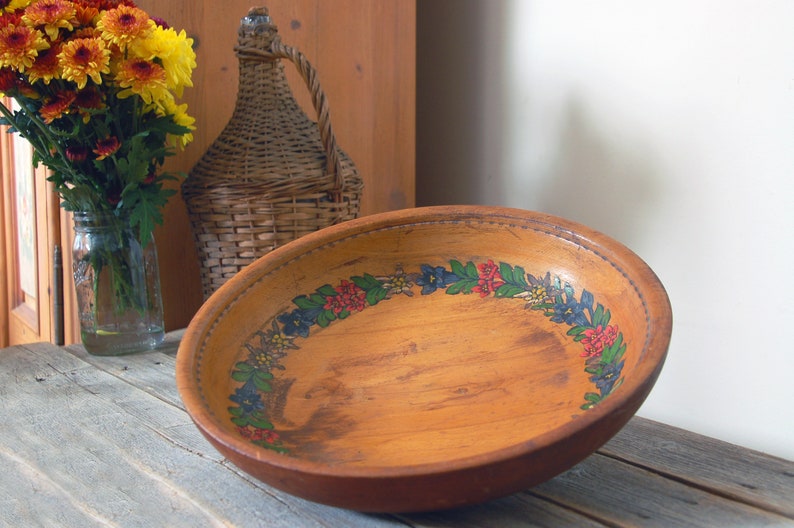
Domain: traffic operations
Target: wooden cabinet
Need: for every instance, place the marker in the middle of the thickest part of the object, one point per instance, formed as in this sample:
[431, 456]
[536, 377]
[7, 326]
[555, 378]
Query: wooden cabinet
[365, 54]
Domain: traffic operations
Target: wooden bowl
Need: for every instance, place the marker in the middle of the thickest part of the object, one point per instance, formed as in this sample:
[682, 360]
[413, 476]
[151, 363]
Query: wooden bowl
[427, 358]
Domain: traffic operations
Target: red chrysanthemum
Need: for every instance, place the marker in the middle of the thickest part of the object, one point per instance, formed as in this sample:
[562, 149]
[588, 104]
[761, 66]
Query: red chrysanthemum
[107, 147]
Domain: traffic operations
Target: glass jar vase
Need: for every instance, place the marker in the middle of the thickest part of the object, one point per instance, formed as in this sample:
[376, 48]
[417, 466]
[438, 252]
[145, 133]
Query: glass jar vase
[117, 282]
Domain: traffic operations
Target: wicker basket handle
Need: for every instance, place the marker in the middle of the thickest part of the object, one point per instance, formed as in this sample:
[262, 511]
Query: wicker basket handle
[278, 50]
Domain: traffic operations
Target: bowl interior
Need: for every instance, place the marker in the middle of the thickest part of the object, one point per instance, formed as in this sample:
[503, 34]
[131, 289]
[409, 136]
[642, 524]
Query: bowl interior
[417, 341]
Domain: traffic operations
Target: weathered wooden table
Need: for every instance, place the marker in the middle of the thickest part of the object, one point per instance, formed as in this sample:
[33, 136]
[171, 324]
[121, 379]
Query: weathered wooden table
[91, 441]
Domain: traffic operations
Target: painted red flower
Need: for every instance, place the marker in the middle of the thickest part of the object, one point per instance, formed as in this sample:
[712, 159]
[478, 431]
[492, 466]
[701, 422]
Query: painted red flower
[597, 339]
[490, 279]
[351, 297]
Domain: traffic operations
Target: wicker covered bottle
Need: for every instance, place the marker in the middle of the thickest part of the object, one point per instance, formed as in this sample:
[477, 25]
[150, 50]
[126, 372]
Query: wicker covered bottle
[272, 174]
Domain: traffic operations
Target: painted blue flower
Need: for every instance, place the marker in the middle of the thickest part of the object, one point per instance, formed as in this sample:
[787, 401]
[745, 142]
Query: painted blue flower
[609, 375]
[570, 312]
[248, 398]
[296, 323]
[434, 278]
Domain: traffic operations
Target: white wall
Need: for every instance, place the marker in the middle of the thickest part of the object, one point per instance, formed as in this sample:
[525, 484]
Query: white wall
[666, 125]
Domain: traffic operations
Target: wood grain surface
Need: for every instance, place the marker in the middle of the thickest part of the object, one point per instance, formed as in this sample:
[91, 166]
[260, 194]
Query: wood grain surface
[89, 441]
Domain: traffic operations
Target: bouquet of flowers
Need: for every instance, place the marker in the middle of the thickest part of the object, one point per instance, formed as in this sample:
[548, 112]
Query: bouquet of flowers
[96, 84]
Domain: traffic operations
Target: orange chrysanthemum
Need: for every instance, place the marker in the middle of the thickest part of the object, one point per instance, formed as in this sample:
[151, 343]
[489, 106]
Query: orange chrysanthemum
[85, 58]
[19, 46]
[107, 147]
[88, 101]
[54, 15]
[85, 14]
[57, 106]
[47, 66]
[8, 81]
[144, 78]
[124, 24]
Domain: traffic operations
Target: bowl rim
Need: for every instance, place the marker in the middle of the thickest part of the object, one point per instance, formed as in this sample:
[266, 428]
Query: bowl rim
[619, 407]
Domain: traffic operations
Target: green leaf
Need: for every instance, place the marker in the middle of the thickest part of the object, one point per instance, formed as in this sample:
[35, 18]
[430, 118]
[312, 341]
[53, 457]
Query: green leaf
[593, 397]
[235, 411]
[520, 277]
[613, 352]
[576, 330]
[367, 282]
[508, 290]
[241, 421]
[241, 376]
[319, 300]
[304, 303]
[262, 385]
[261, 423]
[325, 318]
[506, 272]
[462, 286]
[457, 268]
[375, 295]
[327, 291]
[471, 271]
[243, 366]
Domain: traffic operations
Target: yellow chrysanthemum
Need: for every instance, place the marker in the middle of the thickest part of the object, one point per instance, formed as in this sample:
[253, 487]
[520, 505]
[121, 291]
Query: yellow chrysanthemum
[19, 46]
[54, 15]
[174, 51]
[180, 117]
[122, 25]
[84, 58]
[143, 78]
[14, 5]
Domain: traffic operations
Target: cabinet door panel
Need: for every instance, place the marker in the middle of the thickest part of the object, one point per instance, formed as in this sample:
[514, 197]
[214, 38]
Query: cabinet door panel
[29, 210]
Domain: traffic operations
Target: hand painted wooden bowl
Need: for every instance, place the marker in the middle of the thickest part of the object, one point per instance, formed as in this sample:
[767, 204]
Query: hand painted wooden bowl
[425, 359]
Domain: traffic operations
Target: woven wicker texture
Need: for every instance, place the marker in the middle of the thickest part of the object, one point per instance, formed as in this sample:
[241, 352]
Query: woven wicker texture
[272, 174]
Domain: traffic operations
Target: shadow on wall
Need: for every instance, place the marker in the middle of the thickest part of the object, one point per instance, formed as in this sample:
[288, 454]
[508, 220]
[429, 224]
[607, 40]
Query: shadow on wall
[608, 185]
[458, 104]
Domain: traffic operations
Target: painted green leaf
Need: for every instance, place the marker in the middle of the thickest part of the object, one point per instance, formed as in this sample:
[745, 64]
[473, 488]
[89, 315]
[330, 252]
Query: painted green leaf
[614, 351]
[508, 290]
[471, 271]
[241, 421]
[235, 411]
[262, 385]
[260, 423]
[520, 277]
[244, 367]
[576, 330]
[506, 272]
[239, 375]
[457, 268]
[325, 318]
[304, 303]
[367, 282]
[463, 286]
[375, 295]
[327, 291]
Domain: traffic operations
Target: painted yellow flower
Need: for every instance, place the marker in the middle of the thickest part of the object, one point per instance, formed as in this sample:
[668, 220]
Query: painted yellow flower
[14, 5]
[124, 24]
[53, 15]
[144, 78]
[84, 58]
[174, 51]
[19, 46]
